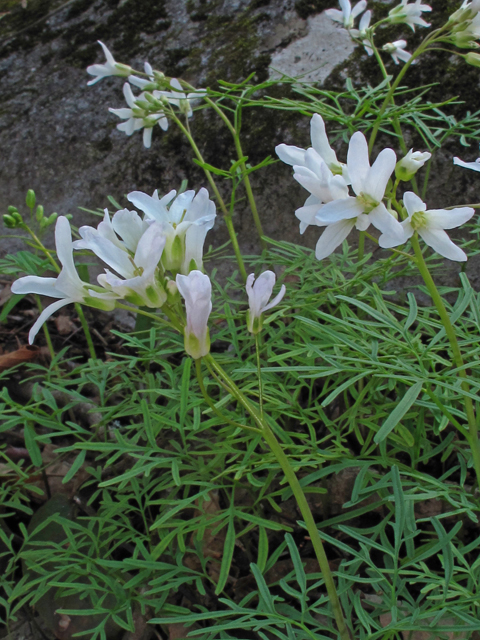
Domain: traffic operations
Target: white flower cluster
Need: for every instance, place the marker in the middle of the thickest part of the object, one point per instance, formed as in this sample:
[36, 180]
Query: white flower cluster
[466, 25]
[150, 107]
[136, 251]
[406, 13]
[332, 206]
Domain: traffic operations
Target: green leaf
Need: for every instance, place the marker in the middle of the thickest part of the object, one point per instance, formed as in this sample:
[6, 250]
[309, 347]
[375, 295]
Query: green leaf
[227, 557]
[79, 460]
[32, 445]
[400, 410]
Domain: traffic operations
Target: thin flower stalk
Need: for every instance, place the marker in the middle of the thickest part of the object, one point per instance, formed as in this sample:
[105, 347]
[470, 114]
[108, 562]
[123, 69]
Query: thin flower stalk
[226, 214]
[457, 354]
[297, 490]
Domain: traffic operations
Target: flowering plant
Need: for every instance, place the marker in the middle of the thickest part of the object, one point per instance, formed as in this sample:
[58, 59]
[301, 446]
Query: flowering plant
[342, 381]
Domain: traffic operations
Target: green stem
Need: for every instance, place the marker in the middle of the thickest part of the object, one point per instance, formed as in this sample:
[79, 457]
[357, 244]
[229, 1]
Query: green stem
[259, 374]
[457, 354]
[86, 330]
[297, 490]
[208, 400]
[246, 179]
[226, 214]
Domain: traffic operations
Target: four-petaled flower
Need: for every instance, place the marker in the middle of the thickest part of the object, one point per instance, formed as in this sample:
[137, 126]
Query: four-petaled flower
[369, 184]
[67, 285]
[196, 290]
[259, 292]
[347, 15]
[137, 117]
[109, 68]
[397, 51]
[361, 32]
[410, 14]
[296, 157]
[430, 227]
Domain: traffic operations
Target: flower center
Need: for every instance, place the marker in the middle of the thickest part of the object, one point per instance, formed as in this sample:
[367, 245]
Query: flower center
[418, 220]
[336, 168]
[367, 202]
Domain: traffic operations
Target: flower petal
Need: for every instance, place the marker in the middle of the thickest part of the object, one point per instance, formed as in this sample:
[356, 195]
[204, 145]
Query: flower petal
[332, 237]
[290, 155]
[43, 317]
[379, 174]
[468, 165]
[357, 161]
[443, 219]
[344, 209]
[277, 298]
[413, 203]
[441, 243]
[36, 284]
[320, 140]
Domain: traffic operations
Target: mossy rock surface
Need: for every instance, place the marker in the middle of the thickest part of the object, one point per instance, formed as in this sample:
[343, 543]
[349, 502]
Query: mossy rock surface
[58, 137]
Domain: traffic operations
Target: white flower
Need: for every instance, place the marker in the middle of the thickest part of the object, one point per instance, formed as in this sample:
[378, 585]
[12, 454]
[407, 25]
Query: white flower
[259, 292]
[369, 184]
[361, 32]
[141, 83]
[317, 178]
[408, 166]
[110, 68]
[430, 226]
[468, 165]
[296, 157]
[347, 15]
[179, 99]
[138, 117]
[67, 285]
[410, 14]
[186, 222]
[135, 257]
[196, 290]
[397, 51]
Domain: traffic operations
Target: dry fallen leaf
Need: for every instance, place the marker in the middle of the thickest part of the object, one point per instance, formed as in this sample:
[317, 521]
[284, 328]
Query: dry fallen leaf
[20, 356]
[5, 294]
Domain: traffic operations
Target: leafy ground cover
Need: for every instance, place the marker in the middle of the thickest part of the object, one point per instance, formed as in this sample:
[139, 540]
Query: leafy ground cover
[221, 472]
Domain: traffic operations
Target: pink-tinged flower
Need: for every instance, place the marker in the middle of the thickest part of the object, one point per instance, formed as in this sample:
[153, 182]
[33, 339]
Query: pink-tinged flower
[259, 292]
[430, 227]
[397, 51]
[347, 15]
[196, 290]
[109, 68]
[67, 285]
[410, 14]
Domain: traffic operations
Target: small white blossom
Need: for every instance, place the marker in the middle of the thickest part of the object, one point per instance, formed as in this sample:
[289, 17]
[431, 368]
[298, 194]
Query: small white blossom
[410, 14]
[397, 51]
[179, 99]
[361, 32]
[468, 165]
[137, 117]
[296, 157]
[186, 222]
[132, 248]
[141, 83]
[109, 68]
[196, 290]
[67, 285]
[430, 227]
[408, 166]
[369, 184]
[259, 292]
[347, 15]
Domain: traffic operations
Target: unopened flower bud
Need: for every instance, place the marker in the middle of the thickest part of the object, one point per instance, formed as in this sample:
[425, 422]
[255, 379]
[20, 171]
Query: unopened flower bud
[39, 213]
[259, 292]
[408, 166]
[11, 209]
[473, 59]
[52, 218]
[9, 222]
[196, 290]
[173, 295]
[30, 199]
